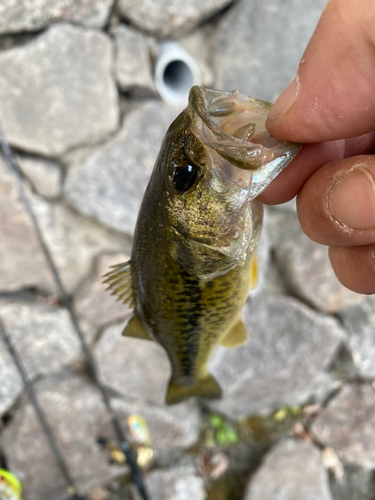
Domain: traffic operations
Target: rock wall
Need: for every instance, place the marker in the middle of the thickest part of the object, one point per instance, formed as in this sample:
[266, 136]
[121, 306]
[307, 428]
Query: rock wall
[79, 106]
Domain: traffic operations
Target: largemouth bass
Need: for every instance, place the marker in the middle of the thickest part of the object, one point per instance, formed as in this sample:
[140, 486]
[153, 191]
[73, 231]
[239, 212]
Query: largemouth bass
[194, 254]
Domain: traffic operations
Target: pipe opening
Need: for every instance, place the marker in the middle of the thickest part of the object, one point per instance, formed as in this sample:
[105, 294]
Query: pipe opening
[176, 71]
[178, 77]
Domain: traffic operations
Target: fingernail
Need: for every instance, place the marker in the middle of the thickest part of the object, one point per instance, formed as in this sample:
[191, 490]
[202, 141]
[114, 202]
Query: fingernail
[352, 200]
[285, 100]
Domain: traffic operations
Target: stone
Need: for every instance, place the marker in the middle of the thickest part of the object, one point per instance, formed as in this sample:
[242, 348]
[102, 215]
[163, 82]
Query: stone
[359, 323]
[291, 470]
[77, 416]
[109, 185]
[259, 45]
[16, 17]
[44, 175]
[74, 240]
[347, 425]
[133, 61]
[282, 364]
[11, 383]
[94, 302]
[135, 368]
[169, 19]
[68, 100]
[305, 265]
[45, 339]
[175, 484]
[22, 264]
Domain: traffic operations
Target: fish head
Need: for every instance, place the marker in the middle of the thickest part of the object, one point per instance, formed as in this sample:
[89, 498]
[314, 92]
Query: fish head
[217, 156]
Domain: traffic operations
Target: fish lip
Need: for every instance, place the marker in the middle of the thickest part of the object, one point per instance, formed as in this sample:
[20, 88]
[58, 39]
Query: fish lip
[243, 154]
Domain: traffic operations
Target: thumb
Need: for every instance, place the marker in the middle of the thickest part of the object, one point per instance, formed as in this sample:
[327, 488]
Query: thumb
[332, 96]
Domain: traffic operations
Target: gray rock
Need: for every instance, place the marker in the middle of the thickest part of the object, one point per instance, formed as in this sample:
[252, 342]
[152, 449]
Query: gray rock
[22, 263]
[57, 92]
[109, 184]
[347, 426]
[290, 347]
[169, 18]
[19, 16]
[291, 470]
[133, 367]
[11, 383]
[94, 302]
[45, 340]
[359, 323]
[76, 413]
[260, 44]
[175, 484]
[45, 176]
[74, 240]
[305, 264]
[133, 61]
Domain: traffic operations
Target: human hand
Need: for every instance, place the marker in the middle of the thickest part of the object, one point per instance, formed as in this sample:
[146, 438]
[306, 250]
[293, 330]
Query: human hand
[331, 104]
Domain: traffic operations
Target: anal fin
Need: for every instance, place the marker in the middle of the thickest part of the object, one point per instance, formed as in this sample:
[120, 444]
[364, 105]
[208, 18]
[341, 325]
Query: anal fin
[204, 388]
[135, 329]
[236, 336]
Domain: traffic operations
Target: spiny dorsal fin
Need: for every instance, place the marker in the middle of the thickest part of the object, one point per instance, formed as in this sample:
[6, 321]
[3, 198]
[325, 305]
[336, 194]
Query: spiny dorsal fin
[135, 329]
[236, 336]
[120, 282]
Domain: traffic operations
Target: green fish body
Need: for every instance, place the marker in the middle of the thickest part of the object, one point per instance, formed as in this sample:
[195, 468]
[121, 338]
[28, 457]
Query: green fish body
[194, 253]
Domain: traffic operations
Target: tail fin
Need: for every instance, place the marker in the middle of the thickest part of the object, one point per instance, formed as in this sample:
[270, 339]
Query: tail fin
[204, 388]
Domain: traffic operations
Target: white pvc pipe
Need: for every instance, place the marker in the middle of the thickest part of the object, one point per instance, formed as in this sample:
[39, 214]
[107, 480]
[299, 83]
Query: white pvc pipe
[176, 71]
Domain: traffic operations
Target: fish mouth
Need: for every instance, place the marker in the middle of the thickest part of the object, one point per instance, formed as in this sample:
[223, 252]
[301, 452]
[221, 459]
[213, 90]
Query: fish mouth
[234, 126]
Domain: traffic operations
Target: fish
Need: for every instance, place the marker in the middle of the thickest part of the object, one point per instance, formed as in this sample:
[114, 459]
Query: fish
[193, 258]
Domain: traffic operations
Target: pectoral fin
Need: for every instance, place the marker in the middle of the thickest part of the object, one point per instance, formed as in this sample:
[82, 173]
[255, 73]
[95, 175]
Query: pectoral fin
[254, 274]
[236, 336]
[120, 282]
[135, 329]
[204, 388]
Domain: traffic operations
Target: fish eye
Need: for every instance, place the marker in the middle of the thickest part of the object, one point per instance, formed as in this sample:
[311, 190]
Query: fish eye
[184, 177]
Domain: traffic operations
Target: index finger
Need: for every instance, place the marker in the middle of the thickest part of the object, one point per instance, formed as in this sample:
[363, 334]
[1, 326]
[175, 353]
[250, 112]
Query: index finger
[332, 96]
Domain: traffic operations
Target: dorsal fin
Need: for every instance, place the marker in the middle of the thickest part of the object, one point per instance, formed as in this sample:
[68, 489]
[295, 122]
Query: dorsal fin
[120, 282]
